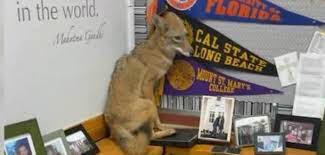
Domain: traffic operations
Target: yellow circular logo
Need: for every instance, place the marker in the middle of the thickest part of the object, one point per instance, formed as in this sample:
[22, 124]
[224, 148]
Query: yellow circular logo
[181, 75]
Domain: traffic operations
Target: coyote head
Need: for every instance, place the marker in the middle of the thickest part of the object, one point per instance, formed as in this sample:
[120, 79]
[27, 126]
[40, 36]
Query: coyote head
[171, 34]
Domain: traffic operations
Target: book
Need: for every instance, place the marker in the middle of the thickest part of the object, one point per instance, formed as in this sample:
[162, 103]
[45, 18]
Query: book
[182, 138]
[226, 150]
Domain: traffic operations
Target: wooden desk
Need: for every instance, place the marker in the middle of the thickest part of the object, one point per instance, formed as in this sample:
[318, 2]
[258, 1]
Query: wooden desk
[204, 149]
[99, 132]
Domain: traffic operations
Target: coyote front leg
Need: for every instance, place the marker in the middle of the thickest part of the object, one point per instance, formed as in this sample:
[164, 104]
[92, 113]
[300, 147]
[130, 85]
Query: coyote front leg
[163, 129]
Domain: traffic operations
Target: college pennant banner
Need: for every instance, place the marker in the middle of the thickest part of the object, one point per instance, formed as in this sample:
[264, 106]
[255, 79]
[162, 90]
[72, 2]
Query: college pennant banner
[213, 48]
[189, 77]
[251, 11]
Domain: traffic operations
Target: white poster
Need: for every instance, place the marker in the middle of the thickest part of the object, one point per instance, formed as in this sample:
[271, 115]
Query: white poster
[310, 91]
[59, 55]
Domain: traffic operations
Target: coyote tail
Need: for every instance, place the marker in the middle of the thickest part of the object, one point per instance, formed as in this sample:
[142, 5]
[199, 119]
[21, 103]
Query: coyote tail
[136, 143]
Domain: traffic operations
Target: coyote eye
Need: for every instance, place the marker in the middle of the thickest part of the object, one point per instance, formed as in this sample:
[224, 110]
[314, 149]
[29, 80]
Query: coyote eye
[177, 38]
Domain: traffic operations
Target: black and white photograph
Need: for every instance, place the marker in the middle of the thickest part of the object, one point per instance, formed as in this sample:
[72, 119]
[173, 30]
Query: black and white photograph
[299, 132]
[55, 147]
[272, 143]
[80, 142]
[20, 145]
[56, 143]
[246, 128]
[216, 118]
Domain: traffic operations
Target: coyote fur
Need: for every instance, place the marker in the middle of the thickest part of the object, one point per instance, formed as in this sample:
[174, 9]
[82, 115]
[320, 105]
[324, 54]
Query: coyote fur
[131, 111]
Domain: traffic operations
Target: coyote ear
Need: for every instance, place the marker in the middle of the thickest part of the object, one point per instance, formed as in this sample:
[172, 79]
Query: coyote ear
[159, 23]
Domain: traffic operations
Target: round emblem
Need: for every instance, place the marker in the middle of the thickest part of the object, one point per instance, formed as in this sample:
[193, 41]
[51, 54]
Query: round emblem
[181, 4]
[181, 75]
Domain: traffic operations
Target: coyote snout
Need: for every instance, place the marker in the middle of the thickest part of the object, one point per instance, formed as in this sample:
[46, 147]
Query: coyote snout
[131, 112]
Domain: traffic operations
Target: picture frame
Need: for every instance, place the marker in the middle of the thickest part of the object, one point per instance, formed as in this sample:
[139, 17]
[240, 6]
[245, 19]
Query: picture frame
[216, 119]
[80, 142]
[299, 132]
[246, 128]
[24, 137]
[56, 143]
[269, 144]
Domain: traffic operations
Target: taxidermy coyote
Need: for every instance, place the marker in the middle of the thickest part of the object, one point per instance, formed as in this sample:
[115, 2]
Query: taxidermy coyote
[131, 111]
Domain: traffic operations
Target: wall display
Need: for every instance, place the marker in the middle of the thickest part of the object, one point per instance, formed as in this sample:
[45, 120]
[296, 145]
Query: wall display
[261, 11]
[216, 118]
[188, 77]
[80, 142]
[246, 128]
[23, 138]
[299, 132]
[269, 144]
[286, 66]
[56, 143]
[215, 49]
[317, 45]
[310, 90]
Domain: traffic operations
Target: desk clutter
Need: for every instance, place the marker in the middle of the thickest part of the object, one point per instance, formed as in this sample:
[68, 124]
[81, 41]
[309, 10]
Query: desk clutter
[80, 139]
[218, 127]
[25, 138]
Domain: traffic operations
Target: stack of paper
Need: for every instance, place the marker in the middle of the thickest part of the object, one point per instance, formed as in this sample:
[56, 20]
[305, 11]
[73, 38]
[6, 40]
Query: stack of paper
[140, 21]
[310, 90]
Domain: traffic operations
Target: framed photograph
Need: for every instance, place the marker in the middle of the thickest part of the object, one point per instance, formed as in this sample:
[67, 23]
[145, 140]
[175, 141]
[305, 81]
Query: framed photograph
[80, 142]
[246, 128]
[56, 143]
[270, 143]
[216, 118]
[23, 138]
[299, 132]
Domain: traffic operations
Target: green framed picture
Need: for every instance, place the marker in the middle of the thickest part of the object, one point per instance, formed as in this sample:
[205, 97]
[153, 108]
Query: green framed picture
[23, 138]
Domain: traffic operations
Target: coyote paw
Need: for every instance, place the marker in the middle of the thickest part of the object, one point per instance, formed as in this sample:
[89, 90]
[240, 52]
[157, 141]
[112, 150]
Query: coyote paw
[171, 131]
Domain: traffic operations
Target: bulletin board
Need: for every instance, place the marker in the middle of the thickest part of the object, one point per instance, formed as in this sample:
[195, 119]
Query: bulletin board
[269, 41]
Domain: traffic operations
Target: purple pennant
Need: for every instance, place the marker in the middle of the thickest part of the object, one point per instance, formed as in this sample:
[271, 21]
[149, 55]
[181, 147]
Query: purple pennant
[188, 77]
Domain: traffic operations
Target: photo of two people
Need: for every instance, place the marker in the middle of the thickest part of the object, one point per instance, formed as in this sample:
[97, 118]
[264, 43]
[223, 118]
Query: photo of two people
[216, 118]
[218, 124]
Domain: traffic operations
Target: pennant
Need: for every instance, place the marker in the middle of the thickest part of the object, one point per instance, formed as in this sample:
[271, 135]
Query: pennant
[250, 11]
[213, 48]
[188, 77]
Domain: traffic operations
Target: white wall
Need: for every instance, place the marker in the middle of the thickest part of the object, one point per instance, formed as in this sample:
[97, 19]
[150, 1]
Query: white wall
[1, 77]
[60, 85]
